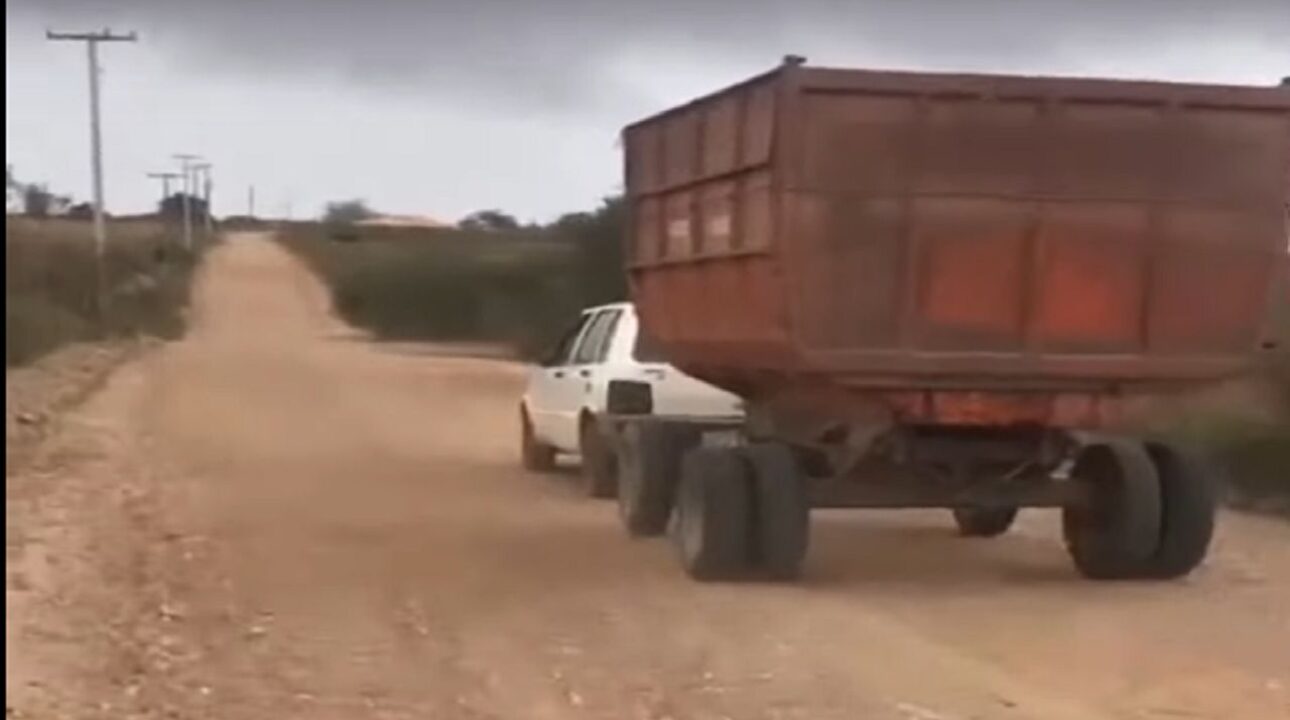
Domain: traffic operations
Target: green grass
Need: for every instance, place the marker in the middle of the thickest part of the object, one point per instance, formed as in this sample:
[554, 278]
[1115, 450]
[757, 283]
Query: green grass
[50, 284]
[444, 284]
[1252, 454]
[1250, 445]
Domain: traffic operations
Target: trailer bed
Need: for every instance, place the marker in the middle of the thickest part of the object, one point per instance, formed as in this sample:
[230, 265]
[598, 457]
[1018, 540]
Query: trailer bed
[948, 235]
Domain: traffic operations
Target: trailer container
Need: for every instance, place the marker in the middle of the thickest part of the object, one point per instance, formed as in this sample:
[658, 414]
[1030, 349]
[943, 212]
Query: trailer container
[930, 288]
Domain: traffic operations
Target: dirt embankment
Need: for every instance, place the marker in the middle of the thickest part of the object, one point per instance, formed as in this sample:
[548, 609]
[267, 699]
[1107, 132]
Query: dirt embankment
[37, 395]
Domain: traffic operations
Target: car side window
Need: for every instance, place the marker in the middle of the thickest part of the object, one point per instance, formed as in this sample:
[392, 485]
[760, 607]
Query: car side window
[562, 352]
[595, 342]
[607, 327]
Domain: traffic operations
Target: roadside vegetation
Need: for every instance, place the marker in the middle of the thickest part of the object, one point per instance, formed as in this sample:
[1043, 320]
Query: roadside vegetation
[50, 283]
[490, 279]
[1253, 450]
[1244, 428]
[1254, 456]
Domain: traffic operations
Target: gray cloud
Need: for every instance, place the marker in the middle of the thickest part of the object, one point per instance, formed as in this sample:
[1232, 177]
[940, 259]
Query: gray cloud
[445, 107]
[559, 55]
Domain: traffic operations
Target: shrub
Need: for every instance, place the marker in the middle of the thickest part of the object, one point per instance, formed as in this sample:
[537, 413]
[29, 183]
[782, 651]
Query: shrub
[51, 281]
[35, 326]
[516, 286]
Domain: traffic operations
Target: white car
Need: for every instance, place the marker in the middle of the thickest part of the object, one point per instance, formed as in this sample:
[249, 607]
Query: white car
[567, 392]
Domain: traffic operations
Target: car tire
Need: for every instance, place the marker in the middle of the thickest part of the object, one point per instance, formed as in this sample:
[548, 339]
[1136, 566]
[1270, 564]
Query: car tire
[713, 514]
[1115, 533]
[599, 465]
[534, 455]
[649, 466]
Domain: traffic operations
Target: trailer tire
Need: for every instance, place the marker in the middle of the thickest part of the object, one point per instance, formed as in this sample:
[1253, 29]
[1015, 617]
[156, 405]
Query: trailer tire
[599, 466]
[649, 465]
[534, 455]
[984, 522]
[1189, 498]
[1114, 535]
[713, 514]
[781, 510]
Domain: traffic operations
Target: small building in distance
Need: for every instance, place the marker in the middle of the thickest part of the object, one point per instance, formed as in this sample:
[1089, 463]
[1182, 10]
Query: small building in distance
[410, 221]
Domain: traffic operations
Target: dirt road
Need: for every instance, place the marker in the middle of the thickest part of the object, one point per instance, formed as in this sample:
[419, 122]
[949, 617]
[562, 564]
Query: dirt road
[311, 526]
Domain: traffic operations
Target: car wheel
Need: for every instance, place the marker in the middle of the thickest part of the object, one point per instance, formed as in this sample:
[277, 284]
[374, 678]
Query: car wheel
[599, 466]
[534, 455]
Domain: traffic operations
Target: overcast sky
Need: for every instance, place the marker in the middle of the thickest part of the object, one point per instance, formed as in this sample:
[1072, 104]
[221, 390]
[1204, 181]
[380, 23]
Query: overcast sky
[441, 108]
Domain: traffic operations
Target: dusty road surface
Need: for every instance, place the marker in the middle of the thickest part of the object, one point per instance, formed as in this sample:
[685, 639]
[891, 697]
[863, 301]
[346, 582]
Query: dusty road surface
[277, 519]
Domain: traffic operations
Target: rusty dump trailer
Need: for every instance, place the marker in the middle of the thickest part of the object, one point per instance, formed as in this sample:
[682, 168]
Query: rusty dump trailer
[929, 288]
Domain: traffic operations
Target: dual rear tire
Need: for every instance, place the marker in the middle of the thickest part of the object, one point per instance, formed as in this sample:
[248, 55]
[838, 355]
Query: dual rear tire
[732, 511]
[649, 468]
[1188, 501]
[1148, 509]
[1149, 512]
[740, 512]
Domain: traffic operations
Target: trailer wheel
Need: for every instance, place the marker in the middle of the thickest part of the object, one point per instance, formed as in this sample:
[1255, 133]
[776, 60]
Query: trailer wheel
[984, 522]
[1114, 534]
[649, 464]
[599, 466]
[713, 512]
[781, 510]
[1187, 521]
[534, 455]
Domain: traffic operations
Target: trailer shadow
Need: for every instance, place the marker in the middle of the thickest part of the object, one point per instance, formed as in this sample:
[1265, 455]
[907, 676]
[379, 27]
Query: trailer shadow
[900, 551]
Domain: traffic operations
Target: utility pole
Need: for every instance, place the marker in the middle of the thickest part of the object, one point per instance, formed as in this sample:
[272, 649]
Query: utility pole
[210, 212]
[165, 178]
[186, 172]
[92, 40]
[204, 176]
[250, 201]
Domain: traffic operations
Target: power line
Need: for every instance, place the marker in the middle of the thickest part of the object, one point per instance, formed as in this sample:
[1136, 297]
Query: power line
[92, 40]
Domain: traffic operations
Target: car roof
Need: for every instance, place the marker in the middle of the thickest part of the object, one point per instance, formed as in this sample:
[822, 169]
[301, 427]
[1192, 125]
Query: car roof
[608, 306]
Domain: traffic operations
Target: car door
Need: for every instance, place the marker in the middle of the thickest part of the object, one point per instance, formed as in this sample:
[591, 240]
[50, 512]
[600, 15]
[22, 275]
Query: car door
[576, 389]
[547, 386]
